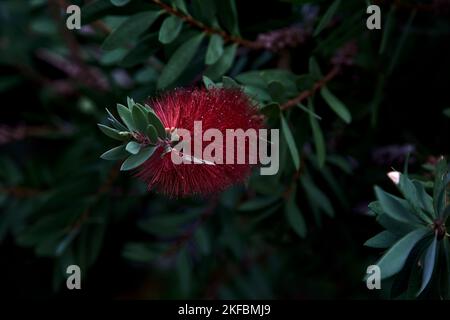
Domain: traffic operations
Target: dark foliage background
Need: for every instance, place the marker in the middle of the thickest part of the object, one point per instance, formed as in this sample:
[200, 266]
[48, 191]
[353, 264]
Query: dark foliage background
[60, 204]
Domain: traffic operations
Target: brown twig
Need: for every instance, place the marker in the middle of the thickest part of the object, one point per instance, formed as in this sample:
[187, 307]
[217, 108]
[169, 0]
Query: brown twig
[20, 192]
[207, 29]
[84, 73]
[308, 93]
[16, 133]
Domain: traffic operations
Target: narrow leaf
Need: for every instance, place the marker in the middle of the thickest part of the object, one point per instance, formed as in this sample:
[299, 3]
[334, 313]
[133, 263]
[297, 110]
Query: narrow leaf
[258, 203]
[215, 49]
[428, 265]
[139, 119]
[125, 115]
[154, 120]
[328, 15]
[294, 216]
[152, 134]
[222, 65]
[130, 29]
[394, 207]
[133, 147]
[179, 61]
[116, 123]
[336, 105]
[319, 141]
[208, 82]
[384, 239]
[136, 160]
[387, 29]
[116, 153]
[170, 29]
[113, 133]
[290, 141]
[394, 259]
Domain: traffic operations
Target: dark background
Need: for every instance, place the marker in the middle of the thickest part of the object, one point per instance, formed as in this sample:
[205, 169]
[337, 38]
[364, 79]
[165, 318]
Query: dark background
[271, 261]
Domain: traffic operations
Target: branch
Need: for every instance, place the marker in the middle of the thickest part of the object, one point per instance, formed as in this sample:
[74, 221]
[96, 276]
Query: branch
[20, 192]
[308, 93]
[20, 132]
[207, 29]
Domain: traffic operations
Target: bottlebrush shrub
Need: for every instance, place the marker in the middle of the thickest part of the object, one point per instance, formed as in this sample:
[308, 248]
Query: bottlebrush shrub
[150, 133]
[416, 237]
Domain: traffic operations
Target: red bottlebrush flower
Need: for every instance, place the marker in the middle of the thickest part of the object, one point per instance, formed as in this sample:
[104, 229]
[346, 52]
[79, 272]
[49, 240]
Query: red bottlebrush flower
[217, 108]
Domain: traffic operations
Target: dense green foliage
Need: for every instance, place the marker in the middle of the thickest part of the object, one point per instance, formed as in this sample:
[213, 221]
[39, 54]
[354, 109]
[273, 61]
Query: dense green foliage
[351, 104]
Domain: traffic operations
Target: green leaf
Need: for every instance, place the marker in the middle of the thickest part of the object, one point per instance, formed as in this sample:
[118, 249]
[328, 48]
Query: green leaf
[125, 115]
[375, 207]
[229, 83]
[202, 240]
[170, 29]
[169, 223]
[290, 141]
[401, 42]
[446, 112]
[384, 239]
[205, 11]
[319, 141]
[276, 90]
[139, 119]
[179, 61]
[308, 111]
[428, 264]
[425, 200]
[184, 274]
[208, 82]
[130, 29]
[336, 105]
[130, 103]
[222, 65]
[394, 207]
[440, 186]
[394, 259]
[258, 203]
[257, 93]
[116, 123]
[154, 120]
[146, 47]
[116, 153]
[317, 197]
[394, 226]
[181, 5]
[152, 134]
[446, 249]
[294, 216]
[410, 193]
[95, 10]
[228, 15]
[143, 252]
[327, 17]
[133, 147]
[119, 3]
[387, 29]
[314, 70]
[136, 160]
[215, 49]
[113, 133]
